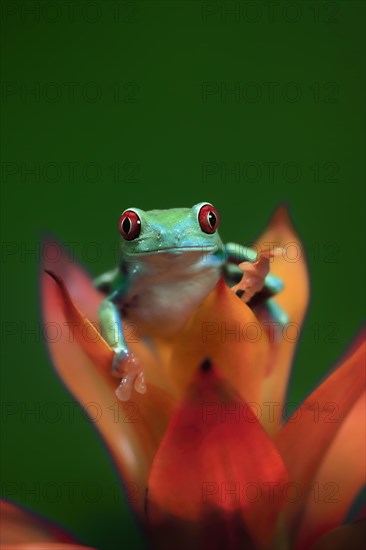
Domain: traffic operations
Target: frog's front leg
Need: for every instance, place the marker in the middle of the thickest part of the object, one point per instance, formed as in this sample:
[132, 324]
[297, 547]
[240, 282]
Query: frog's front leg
[125, 364]
[236, 253]
[248, 275]
[256, 277]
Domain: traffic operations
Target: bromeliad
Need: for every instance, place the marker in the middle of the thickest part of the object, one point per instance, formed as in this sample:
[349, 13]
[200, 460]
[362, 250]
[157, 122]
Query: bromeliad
[212, 469]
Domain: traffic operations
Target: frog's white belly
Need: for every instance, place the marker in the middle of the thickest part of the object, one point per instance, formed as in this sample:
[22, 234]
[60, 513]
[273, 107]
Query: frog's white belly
[162, 301]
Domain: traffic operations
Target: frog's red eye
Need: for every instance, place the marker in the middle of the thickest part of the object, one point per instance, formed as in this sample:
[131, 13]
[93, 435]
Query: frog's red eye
[129, 225]
[208, 218]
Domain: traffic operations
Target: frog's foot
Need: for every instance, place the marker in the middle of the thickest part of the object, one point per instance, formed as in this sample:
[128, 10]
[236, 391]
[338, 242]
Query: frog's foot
[127, 367]
[254, 276]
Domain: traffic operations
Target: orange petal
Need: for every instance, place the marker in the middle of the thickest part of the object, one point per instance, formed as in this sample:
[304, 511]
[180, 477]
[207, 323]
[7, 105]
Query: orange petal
[225, 330]
[132, 430]
[347, 537]
[216, 478]
[80, 289]
[338, 480]
[290, 266]
[24, 529]
[323, 443]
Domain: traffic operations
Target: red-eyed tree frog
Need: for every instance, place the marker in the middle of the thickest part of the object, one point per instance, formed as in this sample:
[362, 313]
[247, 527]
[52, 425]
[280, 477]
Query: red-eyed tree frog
[170, 261]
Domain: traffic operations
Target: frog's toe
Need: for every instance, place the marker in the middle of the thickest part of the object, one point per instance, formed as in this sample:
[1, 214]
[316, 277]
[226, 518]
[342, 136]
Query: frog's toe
[127, 367]
[124, 390]
[140, 385]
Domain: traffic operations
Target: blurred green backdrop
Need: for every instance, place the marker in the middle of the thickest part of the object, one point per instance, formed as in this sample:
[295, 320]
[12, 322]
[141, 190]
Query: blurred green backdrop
[159, 104]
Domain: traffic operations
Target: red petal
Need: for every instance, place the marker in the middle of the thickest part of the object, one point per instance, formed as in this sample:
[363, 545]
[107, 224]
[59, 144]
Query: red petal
[347, 537]
[132, 430]
[26, 530]
[45, 546]
[61, 261]
[215, 445]
[339, 478]
[327, 424]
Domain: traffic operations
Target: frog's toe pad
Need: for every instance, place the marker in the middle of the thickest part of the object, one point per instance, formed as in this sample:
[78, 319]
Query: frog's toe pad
[127, 367]
[128, 383]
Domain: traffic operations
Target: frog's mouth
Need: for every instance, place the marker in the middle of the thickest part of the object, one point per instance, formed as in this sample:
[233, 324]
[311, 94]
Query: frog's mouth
[175, 250]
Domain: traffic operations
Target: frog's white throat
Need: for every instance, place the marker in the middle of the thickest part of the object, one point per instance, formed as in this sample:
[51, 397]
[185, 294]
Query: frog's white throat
[168, 287]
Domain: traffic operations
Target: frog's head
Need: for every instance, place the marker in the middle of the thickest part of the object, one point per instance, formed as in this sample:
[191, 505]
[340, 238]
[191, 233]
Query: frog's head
[176, 230]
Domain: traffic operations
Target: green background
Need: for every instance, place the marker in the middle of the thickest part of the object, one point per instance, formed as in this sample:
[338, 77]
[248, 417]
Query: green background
[141, 72]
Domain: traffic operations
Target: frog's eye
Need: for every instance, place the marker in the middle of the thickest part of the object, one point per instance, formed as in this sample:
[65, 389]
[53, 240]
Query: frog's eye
[208, 218]
[129, 225]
